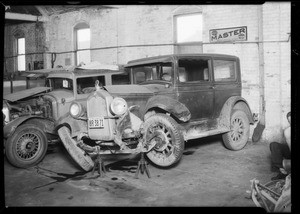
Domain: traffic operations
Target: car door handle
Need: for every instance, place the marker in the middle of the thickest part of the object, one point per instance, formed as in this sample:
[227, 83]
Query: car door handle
[212, 87]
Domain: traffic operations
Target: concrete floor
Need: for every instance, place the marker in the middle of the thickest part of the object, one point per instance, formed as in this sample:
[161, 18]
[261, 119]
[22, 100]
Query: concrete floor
[208, 175]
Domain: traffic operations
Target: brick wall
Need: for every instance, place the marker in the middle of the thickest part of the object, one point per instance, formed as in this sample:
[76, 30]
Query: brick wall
[127, 28]
[34, 43]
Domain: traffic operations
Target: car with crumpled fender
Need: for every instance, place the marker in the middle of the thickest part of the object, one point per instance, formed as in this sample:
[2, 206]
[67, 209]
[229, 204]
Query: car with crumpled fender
[172, 99]
[30, 115]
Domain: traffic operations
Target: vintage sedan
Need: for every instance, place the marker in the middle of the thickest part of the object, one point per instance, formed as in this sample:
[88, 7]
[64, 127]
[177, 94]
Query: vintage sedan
[30, 115]
[179, 97]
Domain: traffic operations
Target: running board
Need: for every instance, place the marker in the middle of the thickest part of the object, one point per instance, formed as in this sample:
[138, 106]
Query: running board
[196, 133]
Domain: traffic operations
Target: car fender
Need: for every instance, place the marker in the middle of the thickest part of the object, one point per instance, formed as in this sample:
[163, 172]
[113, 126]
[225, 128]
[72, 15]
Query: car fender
[76, 126]
[179, 110]
[10, 128]
[235, 102]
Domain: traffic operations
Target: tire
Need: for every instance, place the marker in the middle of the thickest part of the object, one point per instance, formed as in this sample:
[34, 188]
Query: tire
[238, 137]
[170, 143]
[79, 156]
[27, 146]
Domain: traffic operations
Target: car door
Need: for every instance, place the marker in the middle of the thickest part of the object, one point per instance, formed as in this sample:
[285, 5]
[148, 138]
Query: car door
[195, 88]
[226, 80]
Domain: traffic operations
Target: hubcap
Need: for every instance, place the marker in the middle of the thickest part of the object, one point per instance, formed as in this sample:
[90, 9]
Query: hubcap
[237, 131]
[28, 145]
[163, 140]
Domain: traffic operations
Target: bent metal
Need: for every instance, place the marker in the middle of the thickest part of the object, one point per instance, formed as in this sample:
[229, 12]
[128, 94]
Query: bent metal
[155, 115]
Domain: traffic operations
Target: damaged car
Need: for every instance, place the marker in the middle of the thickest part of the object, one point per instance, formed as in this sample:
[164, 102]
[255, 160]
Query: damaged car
[171, 99]
[29, 116]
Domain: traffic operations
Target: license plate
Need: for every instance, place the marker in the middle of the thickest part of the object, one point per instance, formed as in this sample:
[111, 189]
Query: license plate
[96, 122]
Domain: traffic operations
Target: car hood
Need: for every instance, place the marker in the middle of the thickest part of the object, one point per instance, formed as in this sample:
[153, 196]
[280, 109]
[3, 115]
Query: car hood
[25, 93]
[135, 89]
[128, 89]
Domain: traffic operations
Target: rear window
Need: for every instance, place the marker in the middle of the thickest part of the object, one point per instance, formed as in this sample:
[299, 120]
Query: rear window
[224, 70]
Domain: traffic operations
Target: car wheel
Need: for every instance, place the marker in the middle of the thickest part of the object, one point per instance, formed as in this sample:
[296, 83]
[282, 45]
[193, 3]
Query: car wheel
[27, 146]
[168, 138]
[238, 137]
[79, 156]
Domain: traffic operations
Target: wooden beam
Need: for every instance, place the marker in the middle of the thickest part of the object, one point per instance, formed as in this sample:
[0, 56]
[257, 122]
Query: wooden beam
[23, 17]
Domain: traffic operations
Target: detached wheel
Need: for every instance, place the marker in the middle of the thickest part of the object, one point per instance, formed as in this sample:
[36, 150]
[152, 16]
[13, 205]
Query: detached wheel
[168, 138]
[79, 156]
[238, 137]
[27, 146]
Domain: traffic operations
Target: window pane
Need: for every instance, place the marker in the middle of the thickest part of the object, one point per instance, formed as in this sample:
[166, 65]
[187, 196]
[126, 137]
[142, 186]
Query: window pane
[224, 70]
[120, 79]
[21, 50]
[21, 63]
[21, 46]
[83, 56]
[83, 38]
[189, 28]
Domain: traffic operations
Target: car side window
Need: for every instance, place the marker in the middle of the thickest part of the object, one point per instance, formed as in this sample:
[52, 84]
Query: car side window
[120, 79]
[153, 72]
[191, 70]
[224, 70]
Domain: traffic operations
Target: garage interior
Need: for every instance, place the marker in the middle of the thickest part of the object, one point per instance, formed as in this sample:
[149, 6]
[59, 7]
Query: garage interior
[209, 175]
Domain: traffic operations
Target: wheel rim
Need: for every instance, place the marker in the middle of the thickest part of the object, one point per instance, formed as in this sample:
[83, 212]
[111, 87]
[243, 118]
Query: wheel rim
[164, 147]
[237, 131]
[27, 146]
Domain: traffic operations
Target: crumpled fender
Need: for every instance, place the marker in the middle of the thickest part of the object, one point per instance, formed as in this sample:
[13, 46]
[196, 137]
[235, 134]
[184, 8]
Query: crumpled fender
[76, 126]
[10, 128]
[179, 110]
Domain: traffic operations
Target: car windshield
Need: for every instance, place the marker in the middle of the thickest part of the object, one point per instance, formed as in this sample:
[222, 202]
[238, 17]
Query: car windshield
[152, 72]
[60, 83]
[86, 85]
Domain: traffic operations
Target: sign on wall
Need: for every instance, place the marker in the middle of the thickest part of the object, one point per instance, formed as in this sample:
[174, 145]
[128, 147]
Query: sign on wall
[228, 34]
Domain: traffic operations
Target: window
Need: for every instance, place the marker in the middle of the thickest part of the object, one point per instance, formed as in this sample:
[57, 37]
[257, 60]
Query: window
[83, 42]
[191, 70]
[86, 85]
[188, 28]
[120, 79]
[153, 72]
[224, 70]
[21, 54]
[59, 83]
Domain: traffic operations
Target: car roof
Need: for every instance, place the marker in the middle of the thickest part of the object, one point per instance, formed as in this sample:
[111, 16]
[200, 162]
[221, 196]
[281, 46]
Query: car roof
[82, 73]
[167, 58]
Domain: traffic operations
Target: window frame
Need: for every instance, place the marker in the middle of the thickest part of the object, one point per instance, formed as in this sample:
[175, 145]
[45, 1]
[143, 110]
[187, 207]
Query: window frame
[80, 26]
[21, 54]
[235, 70]
[175, 20]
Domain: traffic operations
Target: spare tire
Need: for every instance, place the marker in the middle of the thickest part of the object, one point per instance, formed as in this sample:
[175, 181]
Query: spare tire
[79, 156]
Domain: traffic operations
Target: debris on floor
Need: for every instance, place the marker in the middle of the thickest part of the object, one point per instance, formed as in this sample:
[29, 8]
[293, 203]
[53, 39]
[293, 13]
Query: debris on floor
[274, 196]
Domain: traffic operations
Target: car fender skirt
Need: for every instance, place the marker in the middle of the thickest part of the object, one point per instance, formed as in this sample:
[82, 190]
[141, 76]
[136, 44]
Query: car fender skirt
[179, 110]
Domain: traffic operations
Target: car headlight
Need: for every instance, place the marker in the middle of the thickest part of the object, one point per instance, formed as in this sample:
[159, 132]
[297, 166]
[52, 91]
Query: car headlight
[118, 106]
[76, 109]
[5, 112]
